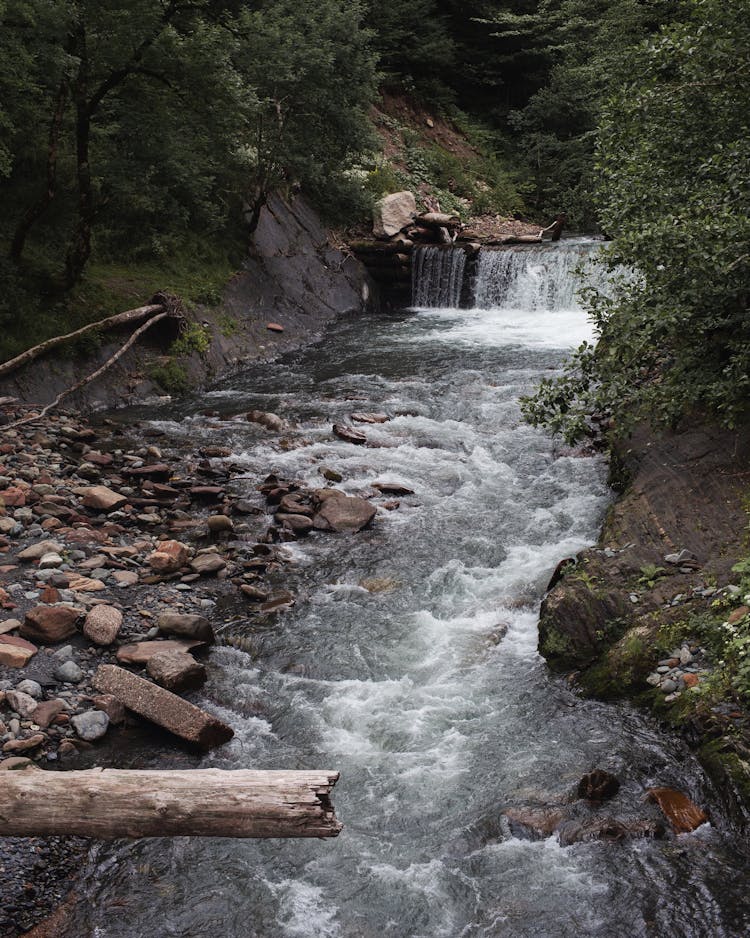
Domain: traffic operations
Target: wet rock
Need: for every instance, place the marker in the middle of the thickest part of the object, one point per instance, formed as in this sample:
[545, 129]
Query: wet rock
[102, 625]
[177, 671]
[100, 498]
[139, 653]
[254, 593]
[682, 813]
[217, 524]
[278, 602]
[598, 786]
[378, 584]
[341, 513]
[370, 418]
[69, 672]
[608, 829]
[169, 557]
[162, 707]
[50, 623]
[186, 625]
[298, 524]
[331, 475]
[392, 488]
[91, 725]
[207, 564]
[542, 821]
[349, 434]
[267, 420]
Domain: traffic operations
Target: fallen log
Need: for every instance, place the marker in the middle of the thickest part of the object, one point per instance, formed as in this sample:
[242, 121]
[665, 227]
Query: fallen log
[114, 803]
[129, 317]
[380, 247]
[438, 220]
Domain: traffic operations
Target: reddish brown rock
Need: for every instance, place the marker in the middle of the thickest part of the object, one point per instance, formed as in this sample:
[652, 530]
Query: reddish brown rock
[207, 564]
[392, 488]
[682, 813]
[177, 671]
[100, 498]
[102, 625]
[24, 745]
[168, 557]
[50, 623]
[186, 625]
[274, 327]
[341, 513]
[139, 653]
[691, 680]
[349, 434]
[46, 711]
[162, 707]
[15, 652]
[111, 706]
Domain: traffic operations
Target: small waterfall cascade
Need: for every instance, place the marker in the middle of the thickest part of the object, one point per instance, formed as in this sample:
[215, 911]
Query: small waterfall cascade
[437, 277]
[536, 278]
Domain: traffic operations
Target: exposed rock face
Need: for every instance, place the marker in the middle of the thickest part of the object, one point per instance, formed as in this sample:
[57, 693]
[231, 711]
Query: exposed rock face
[177, 671]
[50, 623]
[102, 624]
[392, 213]
[162, 707]
[341, 513]
[186, 625]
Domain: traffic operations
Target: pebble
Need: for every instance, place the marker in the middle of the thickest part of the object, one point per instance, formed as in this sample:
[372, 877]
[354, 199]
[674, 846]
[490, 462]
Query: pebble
[69, 672]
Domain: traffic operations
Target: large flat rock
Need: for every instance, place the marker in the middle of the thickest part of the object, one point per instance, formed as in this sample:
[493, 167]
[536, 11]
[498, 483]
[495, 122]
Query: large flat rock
[162, 707]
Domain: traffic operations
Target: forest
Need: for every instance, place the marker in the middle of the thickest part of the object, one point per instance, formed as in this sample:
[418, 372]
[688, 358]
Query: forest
[142, 133]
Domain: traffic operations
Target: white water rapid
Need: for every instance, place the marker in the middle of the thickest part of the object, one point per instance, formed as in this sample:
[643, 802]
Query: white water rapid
[409, 662]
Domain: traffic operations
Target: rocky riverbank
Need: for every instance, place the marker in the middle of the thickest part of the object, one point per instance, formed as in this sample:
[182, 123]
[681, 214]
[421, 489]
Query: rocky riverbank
[123, 560]
[656, 611]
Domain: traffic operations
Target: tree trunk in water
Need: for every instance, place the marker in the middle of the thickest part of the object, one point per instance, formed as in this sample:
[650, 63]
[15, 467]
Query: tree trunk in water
[34, 212]
[114, 803]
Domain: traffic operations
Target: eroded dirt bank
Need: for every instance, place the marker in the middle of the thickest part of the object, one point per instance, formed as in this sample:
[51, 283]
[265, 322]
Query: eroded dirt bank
[644, 615]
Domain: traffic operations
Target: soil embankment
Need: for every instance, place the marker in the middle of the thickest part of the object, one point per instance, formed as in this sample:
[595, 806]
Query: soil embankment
[641, 615]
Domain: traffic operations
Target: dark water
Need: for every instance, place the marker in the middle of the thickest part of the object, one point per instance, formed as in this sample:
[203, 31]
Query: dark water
[435, 722]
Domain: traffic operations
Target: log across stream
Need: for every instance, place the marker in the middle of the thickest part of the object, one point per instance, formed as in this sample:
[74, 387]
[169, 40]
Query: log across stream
[409, 663]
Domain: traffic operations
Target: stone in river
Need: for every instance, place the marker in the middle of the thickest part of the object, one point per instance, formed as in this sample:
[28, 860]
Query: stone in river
[392, 488]
[265, 419]
[218, 523]
[370, 418]
[50, 623]
[298, 524]
[162, 707]
[349, 434]
[177, 671]
[91, 725]
[598, 786]
[139, 653]
[541, 820]
[339, 512]
[187, 625]
[102, 625]
[682, 813]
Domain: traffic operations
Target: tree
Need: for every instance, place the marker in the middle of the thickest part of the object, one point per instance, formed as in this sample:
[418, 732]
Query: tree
[674, 158]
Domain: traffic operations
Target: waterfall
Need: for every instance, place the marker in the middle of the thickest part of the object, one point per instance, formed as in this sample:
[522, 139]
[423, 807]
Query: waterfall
[537, 278]
[437, 277]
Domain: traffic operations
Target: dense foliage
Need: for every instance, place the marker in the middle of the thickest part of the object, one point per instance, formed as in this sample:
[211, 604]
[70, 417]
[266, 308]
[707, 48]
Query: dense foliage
[674, 159]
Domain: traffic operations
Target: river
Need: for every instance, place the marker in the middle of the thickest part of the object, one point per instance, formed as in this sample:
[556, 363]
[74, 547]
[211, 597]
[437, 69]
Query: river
[426, 690]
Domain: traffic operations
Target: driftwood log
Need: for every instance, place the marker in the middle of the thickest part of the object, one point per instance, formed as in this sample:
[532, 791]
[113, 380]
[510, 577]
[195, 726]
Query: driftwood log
[114, 803]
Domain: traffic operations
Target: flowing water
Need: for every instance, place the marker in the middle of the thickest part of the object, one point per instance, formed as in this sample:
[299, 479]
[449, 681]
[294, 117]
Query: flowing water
[437, 277]
[427, 694]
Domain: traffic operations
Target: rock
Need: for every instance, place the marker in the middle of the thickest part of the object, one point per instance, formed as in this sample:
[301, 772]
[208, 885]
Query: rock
[737, 615]
[598, 786]
[683, 557]
[50, 561]
[111, 706]
[32, 688]
[668, 686]
[47, 710]
[23, 704]
[168, 557]
[298, 524]
[91, 725]
[85, 584]
[177, 671]
[339, 512]
[24, 745]
[278, 602]
[607, 828]
[216, 524]
[162, 707]
[15, 656]
[378, 584]
[50, 623]
[392, 213]
[9, 625]
[349, 434]
[100, 498]
[267, 420]
[125, 578]
[69, 672]
[254, 593]
[186, 625]
[332, 476]
[37, 551]
[207, 564]
[539, 820]
[17, 763]
[691, 680]
[370, 418]
[274, 327]
[102, 625]
[682, 813]
[139, 653]
[392, 488]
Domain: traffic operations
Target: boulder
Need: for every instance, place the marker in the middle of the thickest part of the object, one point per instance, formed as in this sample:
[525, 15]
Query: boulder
[139, 653]
[162, 707]
[100, 498]
[50, 623]
[341, 513]
[682, 813]
[186, 625]
[91, 725]
[392, 213]
[168, 557]
[177, 671]
[207, 564]
[267, 420]
[102, 625]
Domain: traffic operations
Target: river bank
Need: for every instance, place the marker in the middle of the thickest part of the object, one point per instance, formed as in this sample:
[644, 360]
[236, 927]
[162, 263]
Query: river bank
[645, 614]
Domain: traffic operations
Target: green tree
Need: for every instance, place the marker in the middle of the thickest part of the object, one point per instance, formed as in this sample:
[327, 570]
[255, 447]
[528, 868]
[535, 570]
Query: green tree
[674, 157]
